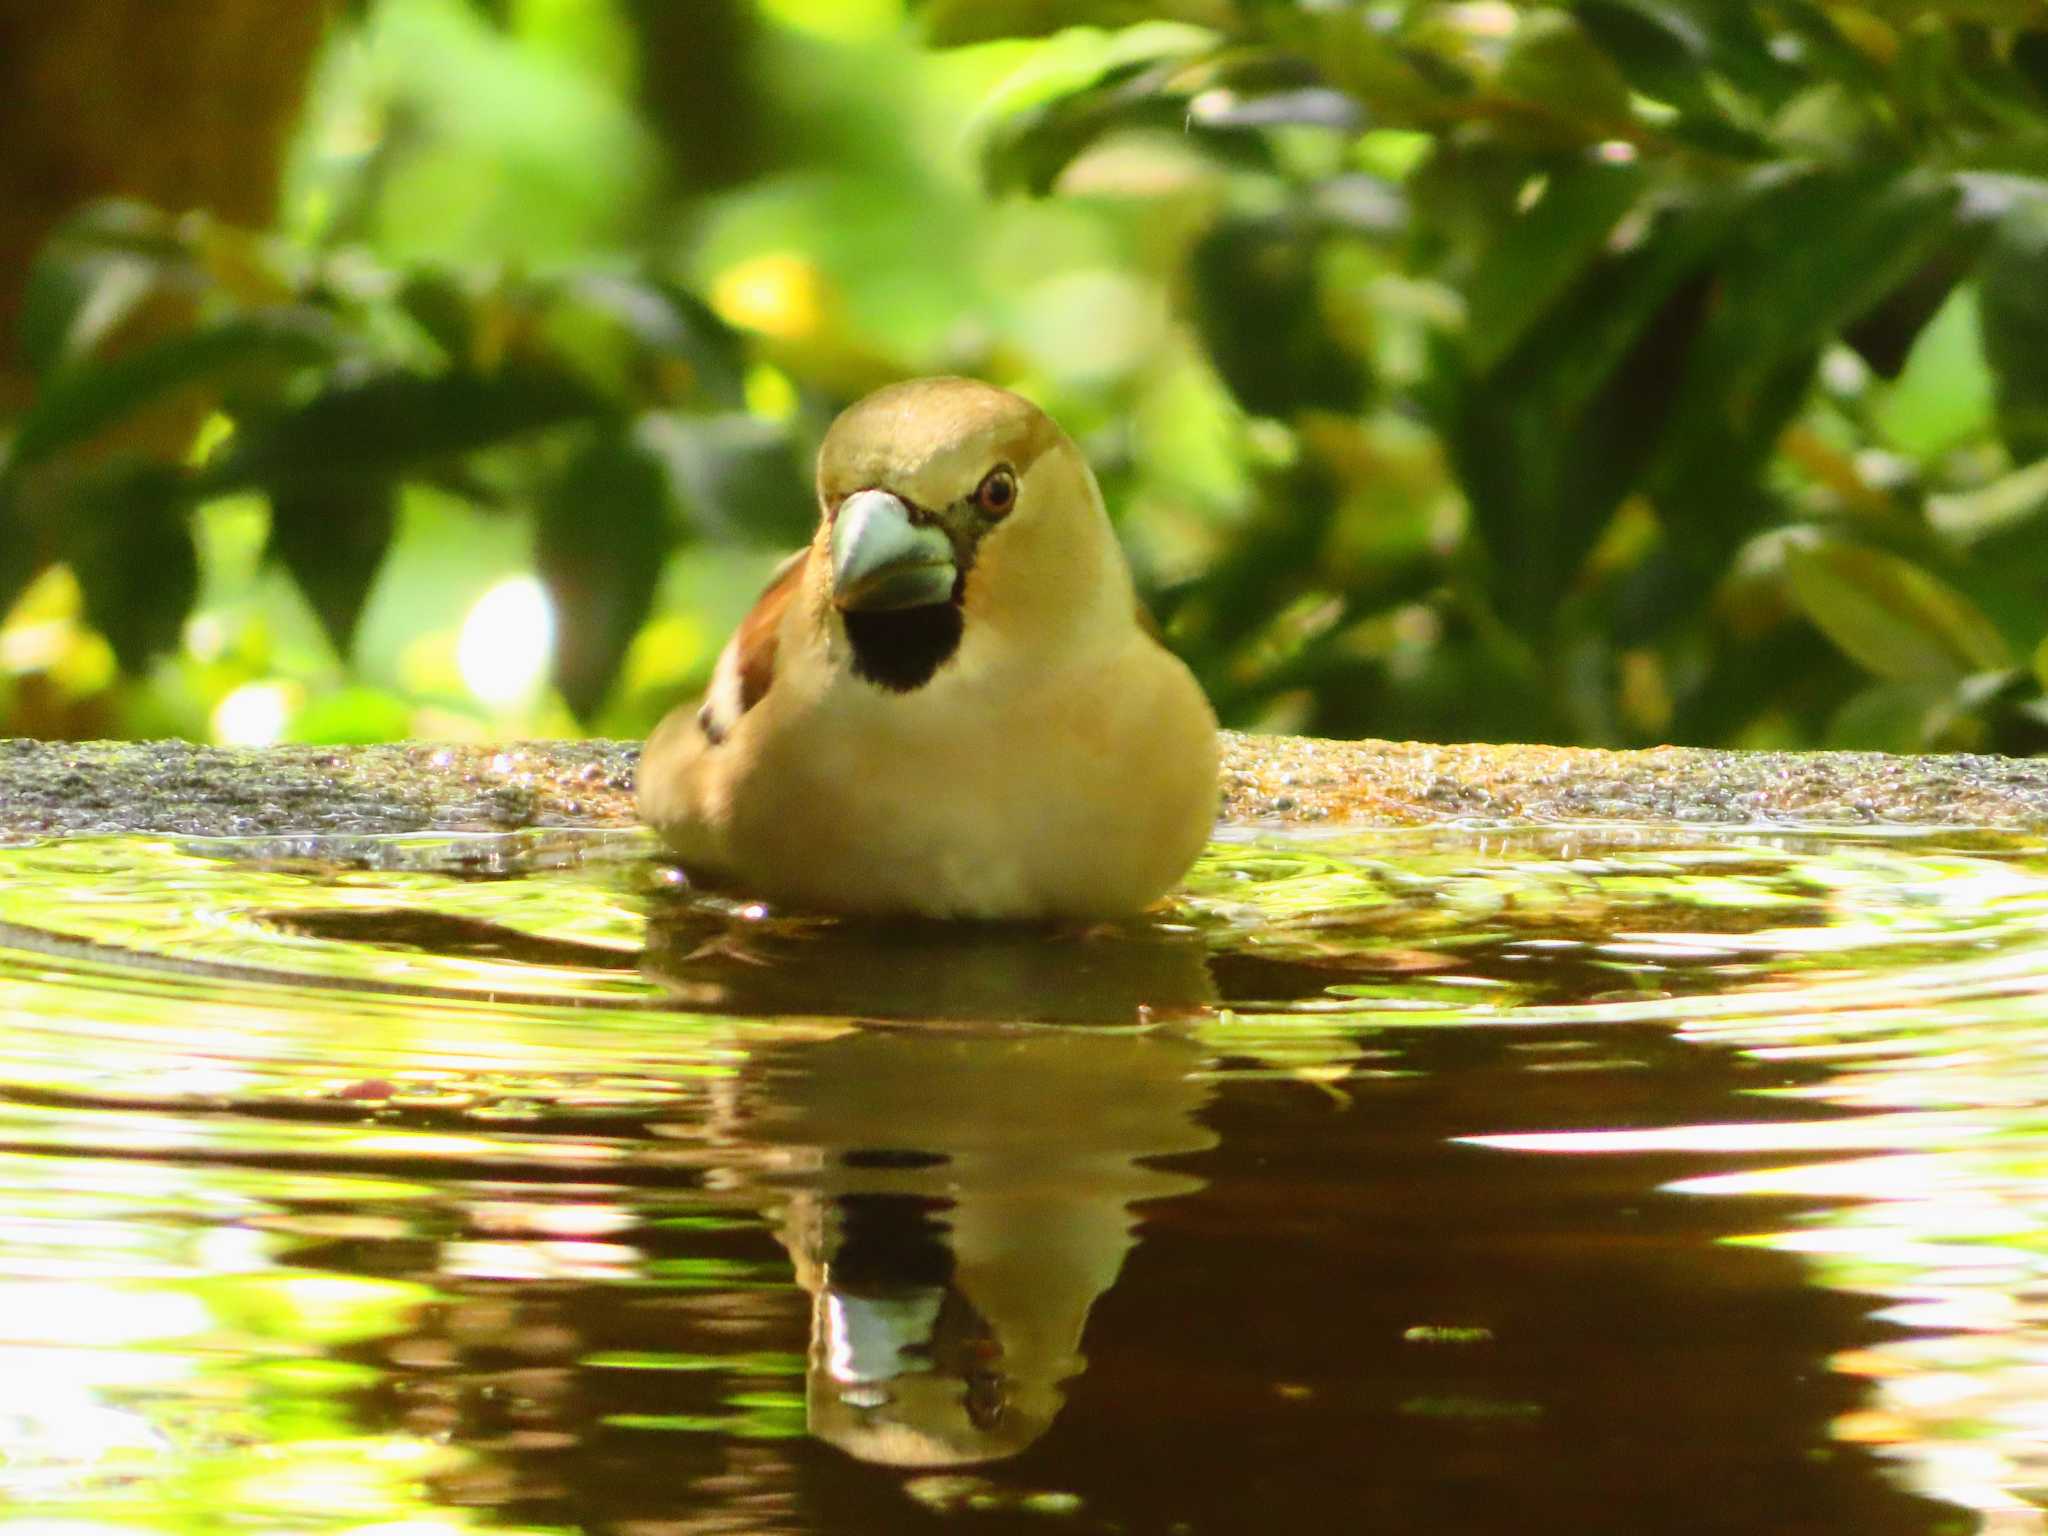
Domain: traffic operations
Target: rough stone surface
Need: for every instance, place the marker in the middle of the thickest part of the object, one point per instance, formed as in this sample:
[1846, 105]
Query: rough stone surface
[1302, 779]
[173, 787]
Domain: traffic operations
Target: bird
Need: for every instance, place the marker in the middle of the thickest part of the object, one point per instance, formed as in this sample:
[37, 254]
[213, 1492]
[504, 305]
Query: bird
[952, 704]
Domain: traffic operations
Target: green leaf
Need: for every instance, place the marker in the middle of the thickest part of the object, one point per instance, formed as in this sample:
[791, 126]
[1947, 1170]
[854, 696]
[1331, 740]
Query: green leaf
[1885, 335]
[128, 541]
[97, 266]
[642, 342]
[1808, 253]
[1886, 717]
[331, 535]
[1087, 85]
[734, 476]
[1814, 251]
[2030, 60]
[1950, 715]
[952, 23]
[2004, 506]
[1548, 443]
[1660, 51]
[1942, 397]
[603, 530]
[2015, 326]
[2041, 662]
[1551, 61]
[60, 289]
[1027, 152]
[21, 555]
[394, 423]
[1540, 253]
[1892, 618]
[1258, 307]
[440, 305]
[351, 717]
[86, 398]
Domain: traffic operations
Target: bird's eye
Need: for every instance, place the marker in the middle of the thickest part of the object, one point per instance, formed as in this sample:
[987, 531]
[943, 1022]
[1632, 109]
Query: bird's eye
[997, 492]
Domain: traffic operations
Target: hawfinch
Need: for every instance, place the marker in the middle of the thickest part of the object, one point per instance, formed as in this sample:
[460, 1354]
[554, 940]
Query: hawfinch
[951, 704]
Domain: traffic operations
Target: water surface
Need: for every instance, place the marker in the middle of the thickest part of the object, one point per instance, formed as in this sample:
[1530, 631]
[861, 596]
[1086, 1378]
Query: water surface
[1632, 1180]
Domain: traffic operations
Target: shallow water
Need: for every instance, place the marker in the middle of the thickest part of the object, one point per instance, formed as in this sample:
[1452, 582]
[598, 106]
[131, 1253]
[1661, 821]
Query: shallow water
[1631, 1180]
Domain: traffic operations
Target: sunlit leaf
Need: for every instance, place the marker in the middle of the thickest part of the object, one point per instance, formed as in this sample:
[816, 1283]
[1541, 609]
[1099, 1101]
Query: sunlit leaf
[2004, 505]
[1891, 617]
[1943, 394]
[950, 23]
[1087, 85]
[351, 716]
[1027, 152]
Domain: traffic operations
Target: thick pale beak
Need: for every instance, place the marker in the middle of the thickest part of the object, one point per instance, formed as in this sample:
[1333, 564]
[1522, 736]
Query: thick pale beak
[880, 559]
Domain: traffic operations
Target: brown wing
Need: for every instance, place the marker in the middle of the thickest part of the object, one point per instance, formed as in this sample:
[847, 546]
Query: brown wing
[746, 667]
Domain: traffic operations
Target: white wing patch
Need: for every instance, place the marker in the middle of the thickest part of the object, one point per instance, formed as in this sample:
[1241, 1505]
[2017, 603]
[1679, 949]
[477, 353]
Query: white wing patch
[746, 667]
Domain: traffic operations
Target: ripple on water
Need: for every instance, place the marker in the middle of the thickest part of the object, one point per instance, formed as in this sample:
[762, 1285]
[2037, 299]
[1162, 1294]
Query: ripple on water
[354, 1181]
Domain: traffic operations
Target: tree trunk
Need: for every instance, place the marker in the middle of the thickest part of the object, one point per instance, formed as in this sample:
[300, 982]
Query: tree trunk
[180, 103]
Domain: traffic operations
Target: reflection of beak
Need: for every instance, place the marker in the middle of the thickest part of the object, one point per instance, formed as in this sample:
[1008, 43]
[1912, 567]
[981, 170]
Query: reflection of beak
[914, 1378]
[870, 1338]
[881, 560]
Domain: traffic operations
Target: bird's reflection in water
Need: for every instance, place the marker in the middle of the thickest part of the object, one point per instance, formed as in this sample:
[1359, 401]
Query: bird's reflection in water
[954, 1204]
[955, 1187]
[954, 1198]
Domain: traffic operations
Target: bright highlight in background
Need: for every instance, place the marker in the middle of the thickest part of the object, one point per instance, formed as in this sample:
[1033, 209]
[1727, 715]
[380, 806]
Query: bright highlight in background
[254, 715]
[506, 642]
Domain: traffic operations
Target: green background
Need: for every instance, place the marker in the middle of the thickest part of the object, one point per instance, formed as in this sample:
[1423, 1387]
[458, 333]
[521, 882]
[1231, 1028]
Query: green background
[1618, 372]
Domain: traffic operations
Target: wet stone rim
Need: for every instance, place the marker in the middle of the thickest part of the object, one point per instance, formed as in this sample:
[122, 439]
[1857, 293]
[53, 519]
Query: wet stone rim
[49, 788]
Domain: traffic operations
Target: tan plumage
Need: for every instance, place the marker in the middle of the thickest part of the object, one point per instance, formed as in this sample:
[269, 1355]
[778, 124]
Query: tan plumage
[1020, 747]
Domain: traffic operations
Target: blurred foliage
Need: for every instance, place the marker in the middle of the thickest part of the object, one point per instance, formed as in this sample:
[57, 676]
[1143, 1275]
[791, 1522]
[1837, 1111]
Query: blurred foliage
[1613, 371]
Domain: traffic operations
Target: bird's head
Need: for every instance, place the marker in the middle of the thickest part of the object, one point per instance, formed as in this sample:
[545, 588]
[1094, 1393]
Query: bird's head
[952, 507]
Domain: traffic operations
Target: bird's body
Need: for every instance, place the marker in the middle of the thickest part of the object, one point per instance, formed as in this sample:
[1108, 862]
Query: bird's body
[949, 705]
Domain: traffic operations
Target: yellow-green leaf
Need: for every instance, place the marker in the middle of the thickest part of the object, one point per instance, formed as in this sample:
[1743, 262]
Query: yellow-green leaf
[1891, 617]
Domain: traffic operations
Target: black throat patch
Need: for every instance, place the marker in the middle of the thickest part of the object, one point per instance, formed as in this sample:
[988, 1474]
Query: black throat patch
[899, 649]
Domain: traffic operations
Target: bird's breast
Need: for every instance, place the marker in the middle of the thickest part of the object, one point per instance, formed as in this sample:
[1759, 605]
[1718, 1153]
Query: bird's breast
[1078, 793]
